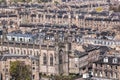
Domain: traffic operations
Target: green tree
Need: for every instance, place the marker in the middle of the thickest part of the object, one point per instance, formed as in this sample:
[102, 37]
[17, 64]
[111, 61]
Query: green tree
[56, 2]
[20, 71]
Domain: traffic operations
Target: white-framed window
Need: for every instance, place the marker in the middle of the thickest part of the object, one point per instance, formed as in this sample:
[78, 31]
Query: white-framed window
[105, 59]
[115, 60]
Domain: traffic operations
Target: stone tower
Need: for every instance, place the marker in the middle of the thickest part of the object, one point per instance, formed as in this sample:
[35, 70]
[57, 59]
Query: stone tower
[61, 57]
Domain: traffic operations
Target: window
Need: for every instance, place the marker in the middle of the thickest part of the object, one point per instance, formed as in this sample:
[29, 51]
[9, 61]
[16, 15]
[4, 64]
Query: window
[100, 65]
[33, 76]
[44, 59]
[115, 75]
[6, 70]
[20, 39]
[18, 51]
[11, 26]
[96, 65]
[51, 60]
[76, 65]
[24, 52]
[11, 50]
[13, 39]
[115, 60]
[33, 68]
[29, 40]
[106, 59]
[30, 52]
[33, 62]
[111, 74]
[37, 53]
[100, 74]
[111, 67]
[5, 48]
[27, 52]
[69, 46]
[106, 74]
[60, 57]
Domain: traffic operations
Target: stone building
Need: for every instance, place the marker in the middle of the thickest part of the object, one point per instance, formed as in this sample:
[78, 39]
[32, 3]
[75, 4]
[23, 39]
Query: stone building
[68, 14]
[107, 68]
[57, 35]
[6, 59]
[53, 57]
[59, 53]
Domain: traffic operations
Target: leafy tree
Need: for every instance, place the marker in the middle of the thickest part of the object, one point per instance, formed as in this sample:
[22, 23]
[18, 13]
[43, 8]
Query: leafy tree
[56, 2]
[20, 71]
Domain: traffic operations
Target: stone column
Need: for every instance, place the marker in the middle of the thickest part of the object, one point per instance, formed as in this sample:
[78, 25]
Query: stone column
[57, 60]
[66, 60]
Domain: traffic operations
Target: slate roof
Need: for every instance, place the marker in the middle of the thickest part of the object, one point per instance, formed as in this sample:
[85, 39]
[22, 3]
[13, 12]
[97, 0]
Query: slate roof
[110, 60]
[9, 56]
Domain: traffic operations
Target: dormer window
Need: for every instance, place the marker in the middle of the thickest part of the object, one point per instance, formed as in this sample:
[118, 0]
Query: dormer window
[105, 59]
[114, 60]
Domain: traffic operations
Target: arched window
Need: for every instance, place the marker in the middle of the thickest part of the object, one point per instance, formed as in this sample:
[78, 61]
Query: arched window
[60, 57]
[44, 59]
[51, 60]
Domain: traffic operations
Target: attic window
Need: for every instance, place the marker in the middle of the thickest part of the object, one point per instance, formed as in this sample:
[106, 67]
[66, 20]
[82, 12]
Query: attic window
[105, 59]
[114, 60]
